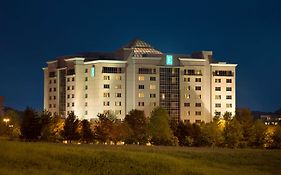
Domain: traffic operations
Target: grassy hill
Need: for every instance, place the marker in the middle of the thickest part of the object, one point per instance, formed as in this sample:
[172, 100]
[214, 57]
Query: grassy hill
[47, 158]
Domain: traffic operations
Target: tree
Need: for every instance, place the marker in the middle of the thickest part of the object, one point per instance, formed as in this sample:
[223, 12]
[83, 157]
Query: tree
[11, 128]
[120, 131]
[161, 133]
[86, 132]
[232, 133]
[138, 125]
[70, 129]
[245, 118]
[211, 134]
[276, 137]
[30, 126]
[104, 127]
[259, 134]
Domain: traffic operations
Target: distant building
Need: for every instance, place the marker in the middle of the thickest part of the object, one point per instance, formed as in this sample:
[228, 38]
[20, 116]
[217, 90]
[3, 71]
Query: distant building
[271, 119]
[137, 76]
[1, 105]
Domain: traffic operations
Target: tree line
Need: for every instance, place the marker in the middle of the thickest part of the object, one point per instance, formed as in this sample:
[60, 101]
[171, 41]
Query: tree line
[239, 131]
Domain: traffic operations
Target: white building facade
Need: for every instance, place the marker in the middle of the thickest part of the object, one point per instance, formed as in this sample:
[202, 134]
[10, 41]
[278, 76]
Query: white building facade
[192, 88]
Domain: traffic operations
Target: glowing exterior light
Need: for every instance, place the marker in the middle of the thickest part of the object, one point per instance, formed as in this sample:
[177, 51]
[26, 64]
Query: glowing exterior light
[6, 120]
[169, 59]
[93, 71]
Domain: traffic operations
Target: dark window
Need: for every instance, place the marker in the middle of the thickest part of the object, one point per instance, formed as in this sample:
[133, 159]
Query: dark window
[222, 73]
[152, 78]
[106, 86]
[147, 71]
[114, 70]
[141, 86]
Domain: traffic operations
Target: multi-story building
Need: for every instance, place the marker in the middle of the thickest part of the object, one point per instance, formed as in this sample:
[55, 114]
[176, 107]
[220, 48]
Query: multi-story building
[191, 87]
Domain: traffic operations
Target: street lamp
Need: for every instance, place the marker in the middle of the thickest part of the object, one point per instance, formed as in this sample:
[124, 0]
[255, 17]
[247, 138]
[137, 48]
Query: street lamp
[6, 120]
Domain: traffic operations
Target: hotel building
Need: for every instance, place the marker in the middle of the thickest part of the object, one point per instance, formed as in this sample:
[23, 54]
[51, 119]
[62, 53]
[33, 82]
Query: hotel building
[192, 88]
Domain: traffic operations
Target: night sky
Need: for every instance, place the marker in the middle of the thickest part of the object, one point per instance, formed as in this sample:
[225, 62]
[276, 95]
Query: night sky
[246, 32]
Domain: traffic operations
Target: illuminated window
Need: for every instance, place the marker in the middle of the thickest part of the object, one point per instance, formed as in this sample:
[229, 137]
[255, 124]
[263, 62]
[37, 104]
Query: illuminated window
[228, 105]
[152, 104]
[141, 95]
[187, 96]
[106, 77]
[117, 112]
[163, 96]
[93, 71]
[218, 97]
[188, 113]
[152, 86]
[217, 80]
[169, 59]
[118, 77]
[106, 95]
[199, 96]
[141, 78]
[187, 88]
[118, 103]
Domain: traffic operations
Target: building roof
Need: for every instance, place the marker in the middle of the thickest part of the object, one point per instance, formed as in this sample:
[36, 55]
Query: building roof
[142, 49]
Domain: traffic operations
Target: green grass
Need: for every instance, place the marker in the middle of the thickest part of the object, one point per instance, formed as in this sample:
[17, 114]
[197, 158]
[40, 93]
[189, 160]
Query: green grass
[47, 158]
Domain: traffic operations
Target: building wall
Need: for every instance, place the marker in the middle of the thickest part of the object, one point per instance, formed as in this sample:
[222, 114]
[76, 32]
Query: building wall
[81, 87]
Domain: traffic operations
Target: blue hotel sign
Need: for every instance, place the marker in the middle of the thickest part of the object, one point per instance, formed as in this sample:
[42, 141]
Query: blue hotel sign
[169, 59]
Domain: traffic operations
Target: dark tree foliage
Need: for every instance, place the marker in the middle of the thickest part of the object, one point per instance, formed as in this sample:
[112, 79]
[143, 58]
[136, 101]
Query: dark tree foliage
[276, 138]
[138, 124]
[30, 126]
[232, 133]
[70, 129]
[104, 127]
[87, 135]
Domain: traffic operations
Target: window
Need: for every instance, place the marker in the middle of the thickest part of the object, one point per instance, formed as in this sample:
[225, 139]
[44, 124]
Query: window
[106, 103]
[223, 73]
[197, 112]
[163, 96]
[68, 96]
[86, 78]
[106, 94]
[188, 113]
[187, 96]
[114, 70]
[217, 80]
[86, 87]
[152, 86]
[192, 72]
[68, 87]
[152, 104]
[187, 88]
[217, 88]
[86, 112]
[86, 95]
[106, 86]
[228, 89]
[68, 79]
[50, 90]
[55, 81]
[55, 89]
[72, 95]
[197, 104]
[118, 103]
[141, 86]
[118, 86]
[54, 97]
[198, 88]
[141, 78]
[197, 79]
[72, 87]
[86, 104]
[106, 77]
[118, 77]
[228, 81]
[199, 96]
[86, 70]
[217, 105]
[118, 95]
[228, 97]
[152, 78]
[147, 71]
[72, 104]
[73, 79]
[218, 97]
[68, 104]
[152, 95]
[50, 82]
[228, 105]
[141, 103]
[117, 112]
[141, 95]
[186, 104]
[50, 97]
